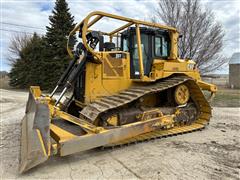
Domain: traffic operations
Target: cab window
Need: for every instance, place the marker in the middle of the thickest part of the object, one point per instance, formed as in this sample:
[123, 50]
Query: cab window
[125, 45]
[161, 46]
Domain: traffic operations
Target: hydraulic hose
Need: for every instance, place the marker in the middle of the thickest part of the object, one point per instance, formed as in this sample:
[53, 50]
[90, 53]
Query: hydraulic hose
[73, 76]
[64, 75]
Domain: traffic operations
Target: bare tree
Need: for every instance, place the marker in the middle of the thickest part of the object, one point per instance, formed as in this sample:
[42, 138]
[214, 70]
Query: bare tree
[202, 36]
[17, 43]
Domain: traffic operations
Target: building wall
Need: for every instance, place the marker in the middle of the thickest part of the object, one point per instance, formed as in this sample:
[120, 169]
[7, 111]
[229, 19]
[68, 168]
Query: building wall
[234, 75]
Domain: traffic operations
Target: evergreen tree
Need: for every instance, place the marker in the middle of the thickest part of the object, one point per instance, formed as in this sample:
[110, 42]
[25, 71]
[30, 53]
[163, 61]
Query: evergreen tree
[42, 60]
[17, 74]
[57, 59]
[27, 69]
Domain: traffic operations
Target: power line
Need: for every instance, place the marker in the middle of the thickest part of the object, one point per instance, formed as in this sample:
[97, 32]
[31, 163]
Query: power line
[9, 30]
[20, 25]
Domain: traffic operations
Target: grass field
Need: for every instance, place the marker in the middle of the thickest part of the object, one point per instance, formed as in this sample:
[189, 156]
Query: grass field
[226, 97]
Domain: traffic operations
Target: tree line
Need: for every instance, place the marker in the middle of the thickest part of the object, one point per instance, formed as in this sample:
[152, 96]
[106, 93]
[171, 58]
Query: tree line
[202, 36]
[40, 60]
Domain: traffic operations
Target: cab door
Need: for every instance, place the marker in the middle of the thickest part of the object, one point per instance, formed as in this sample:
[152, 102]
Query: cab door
[146, 54]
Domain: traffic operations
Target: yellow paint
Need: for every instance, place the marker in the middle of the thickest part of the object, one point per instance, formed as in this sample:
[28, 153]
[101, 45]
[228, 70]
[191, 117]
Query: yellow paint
[41, 142]
[140, 58]
[207, 86]
[88, 127]
[165, 68]
[174, 45]
[35, 91]
[99, 84]
[113, 120]
[60, 134]
[181, 94]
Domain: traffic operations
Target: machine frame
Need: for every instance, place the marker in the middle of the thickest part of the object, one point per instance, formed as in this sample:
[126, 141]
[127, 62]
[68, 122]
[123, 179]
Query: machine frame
[36, 145]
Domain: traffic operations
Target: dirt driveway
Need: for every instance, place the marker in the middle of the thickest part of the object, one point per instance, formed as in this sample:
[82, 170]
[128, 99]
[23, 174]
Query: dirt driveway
[213, 153]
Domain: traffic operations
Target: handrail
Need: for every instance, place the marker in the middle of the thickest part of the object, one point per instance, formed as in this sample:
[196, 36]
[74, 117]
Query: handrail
[85, 25]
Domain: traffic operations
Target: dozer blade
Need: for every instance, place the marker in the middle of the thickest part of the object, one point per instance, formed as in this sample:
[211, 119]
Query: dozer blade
[35, 137]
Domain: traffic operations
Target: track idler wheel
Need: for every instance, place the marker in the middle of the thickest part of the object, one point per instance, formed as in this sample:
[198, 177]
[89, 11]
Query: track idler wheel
[181, 94]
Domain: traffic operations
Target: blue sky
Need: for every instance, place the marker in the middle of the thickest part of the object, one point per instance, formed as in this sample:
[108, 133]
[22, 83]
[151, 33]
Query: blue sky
[35, 14]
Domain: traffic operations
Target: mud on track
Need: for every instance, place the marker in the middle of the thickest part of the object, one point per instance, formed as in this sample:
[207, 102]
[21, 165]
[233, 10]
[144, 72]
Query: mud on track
[213, 153]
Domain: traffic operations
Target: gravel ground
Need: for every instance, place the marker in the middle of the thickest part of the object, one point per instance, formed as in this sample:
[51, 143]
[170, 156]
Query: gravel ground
[213, 153]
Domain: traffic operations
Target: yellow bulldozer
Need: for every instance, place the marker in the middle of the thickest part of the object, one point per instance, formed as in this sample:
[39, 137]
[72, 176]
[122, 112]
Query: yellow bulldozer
[121, 87]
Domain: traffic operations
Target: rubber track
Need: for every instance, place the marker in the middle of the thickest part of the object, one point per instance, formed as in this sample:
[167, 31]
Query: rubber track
[93, 110]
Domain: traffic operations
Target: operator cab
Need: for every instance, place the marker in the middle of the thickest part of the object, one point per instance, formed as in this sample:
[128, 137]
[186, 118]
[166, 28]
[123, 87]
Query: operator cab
[155, 44]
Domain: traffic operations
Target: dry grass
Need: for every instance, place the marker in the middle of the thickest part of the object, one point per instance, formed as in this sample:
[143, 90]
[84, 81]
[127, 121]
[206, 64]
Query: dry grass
[226, 97]
[4, 83]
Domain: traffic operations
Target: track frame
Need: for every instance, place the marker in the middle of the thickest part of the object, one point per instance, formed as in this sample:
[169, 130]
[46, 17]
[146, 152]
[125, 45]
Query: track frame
[67, 143]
